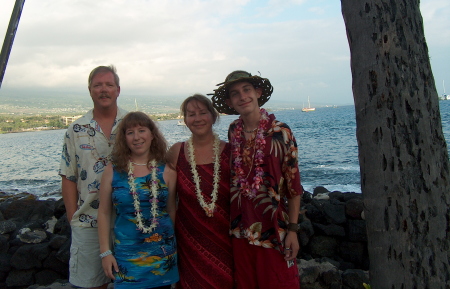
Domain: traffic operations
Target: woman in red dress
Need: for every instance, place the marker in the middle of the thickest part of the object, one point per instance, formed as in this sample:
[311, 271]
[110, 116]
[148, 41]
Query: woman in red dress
[201, 167]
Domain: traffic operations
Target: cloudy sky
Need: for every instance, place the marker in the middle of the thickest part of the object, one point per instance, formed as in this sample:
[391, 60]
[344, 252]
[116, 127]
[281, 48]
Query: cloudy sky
[173, 48]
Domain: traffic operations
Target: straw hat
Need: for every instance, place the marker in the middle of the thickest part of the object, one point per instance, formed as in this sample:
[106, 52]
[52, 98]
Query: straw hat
[221, 94]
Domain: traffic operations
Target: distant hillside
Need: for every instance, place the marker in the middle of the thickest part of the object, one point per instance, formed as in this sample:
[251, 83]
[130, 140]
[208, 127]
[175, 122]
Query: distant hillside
[76, 104]
[73, 104]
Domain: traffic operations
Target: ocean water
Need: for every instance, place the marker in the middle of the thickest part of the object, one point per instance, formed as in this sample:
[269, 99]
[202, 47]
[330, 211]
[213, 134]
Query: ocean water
[328, 152]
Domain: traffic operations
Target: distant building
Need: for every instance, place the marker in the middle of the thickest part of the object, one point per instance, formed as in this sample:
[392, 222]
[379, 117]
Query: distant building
[69, 119]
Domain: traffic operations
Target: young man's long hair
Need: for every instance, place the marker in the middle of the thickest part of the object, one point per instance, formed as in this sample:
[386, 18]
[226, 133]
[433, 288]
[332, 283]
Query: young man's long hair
[121, 152]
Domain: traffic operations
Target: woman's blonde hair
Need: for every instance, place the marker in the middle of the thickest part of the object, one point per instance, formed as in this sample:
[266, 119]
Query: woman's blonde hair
[202, 99]
[121, 152]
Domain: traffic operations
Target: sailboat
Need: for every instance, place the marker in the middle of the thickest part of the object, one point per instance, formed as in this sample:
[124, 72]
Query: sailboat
[309, 108]
[444, 95]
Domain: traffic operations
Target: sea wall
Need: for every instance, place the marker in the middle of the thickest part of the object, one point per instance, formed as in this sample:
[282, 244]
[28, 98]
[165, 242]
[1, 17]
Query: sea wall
[35, 241]
[333, 241]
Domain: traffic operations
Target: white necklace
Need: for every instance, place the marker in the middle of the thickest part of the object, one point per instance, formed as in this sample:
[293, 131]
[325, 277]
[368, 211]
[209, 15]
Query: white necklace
[208, 208]
[136, 164]
[136, 202]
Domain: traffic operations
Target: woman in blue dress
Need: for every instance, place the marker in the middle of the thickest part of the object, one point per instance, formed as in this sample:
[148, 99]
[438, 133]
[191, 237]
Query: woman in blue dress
[144, 253]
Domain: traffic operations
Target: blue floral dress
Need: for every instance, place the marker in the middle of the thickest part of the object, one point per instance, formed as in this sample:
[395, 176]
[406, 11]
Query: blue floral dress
[144, 260]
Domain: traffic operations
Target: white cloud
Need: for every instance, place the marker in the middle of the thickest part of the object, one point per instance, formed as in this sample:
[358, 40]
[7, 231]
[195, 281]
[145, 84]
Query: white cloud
[178, 47]
[437, 22]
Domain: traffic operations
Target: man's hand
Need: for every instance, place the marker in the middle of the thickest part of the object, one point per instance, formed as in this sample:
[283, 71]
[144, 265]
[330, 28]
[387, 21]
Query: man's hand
[291, 246]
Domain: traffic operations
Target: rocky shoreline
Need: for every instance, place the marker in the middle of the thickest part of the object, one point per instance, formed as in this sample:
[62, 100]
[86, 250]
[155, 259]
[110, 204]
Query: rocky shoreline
[35, 241]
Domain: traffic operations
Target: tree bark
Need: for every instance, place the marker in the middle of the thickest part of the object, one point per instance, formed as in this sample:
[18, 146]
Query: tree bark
[402, 151]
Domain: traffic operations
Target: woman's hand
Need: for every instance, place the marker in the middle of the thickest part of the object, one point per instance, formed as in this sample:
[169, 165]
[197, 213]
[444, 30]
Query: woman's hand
[109, 264]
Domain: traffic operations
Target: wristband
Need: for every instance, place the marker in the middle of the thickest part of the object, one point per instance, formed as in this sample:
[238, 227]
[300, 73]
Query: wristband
[106, 253]
[292, 227]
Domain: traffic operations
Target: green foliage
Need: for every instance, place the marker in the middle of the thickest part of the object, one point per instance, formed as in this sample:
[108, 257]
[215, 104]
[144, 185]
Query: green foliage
[166, 116]
[366, 286]
[19, 123]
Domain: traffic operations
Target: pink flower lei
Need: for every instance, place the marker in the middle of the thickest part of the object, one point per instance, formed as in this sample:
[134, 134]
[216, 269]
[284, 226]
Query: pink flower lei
[249, 190]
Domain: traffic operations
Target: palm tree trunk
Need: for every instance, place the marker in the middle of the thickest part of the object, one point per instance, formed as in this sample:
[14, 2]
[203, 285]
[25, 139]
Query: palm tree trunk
[402, 151]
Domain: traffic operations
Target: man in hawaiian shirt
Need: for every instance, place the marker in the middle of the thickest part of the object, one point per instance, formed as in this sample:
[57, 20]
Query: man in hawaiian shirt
[265, 186]
[87, 146]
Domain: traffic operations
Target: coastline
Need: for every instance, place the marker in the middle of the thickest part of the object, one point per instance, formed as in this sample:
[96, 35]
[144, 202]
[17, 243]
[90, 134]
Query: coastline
[28, 123]
[156, 117]
[32, 130]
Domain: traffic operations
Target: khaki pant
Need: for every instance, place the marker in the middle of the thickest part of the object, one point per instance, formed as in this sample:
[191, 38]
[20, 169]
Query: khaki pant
[85, 265]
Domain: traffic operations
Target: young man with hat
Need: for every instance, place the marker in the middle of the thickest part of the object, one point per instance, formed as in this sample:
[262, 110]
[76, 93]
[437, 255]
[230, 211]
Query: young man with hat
[265, 186]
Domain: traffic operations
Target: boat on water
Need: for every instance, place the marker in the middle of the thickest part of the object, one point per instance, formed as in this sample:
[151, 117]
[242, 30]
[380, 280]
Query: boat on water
[309, 108]
[444, 95]
[181, 123]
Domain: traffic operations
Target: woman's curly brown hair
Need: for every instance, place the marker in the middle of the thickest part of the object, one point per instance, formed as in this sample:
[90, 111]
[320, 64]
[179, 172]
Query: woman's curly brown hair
[121, 152]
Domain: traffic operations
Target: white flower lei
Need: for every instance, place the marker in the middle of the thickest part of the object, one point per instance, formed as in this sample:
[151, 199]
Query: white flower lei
[136, 202]
[209, 208]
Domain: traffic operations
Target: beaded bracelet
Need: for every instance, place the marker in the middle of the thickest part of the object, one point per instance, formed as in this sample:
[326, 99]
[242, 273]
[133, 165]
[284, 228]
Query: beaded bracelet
[106, 253]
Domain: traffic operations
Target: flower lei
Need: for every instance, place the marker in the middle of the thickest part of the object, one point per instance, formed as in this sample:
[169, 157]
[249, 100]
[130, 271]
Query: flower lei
[208, 208]
[136, 202]
[249, 190]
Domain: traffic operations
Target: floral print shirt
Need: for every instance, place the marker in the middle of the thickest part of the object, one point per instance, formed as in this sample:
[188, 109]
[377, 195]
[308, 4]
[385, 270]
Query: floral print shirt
[263, 220]
[86, 152]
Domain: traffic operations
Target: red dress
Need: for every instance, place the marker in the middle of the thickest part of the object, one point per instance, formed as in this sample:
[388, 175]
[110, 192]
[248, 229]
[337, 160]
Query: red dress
[204, 244]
